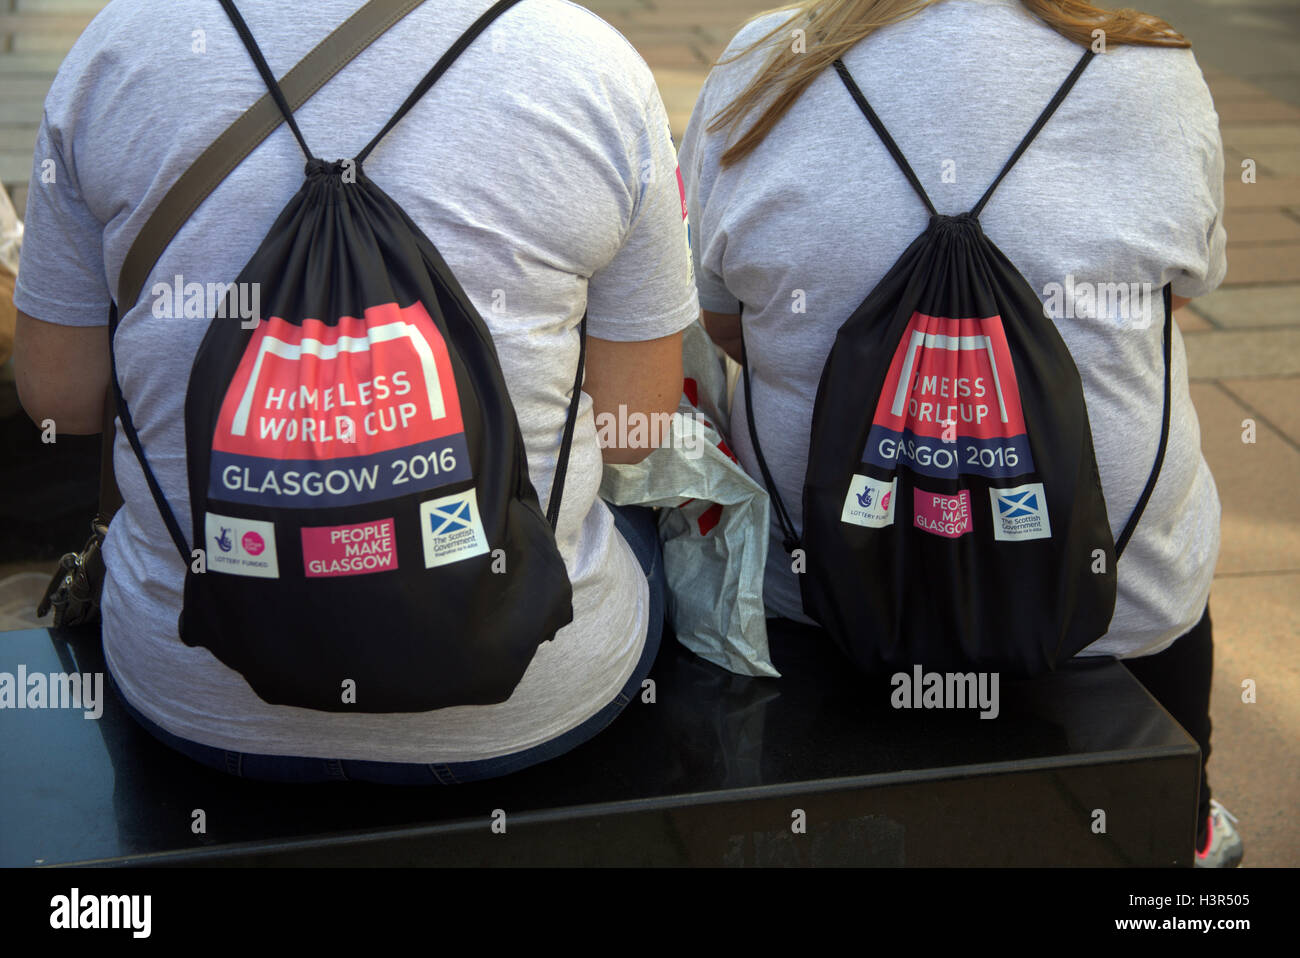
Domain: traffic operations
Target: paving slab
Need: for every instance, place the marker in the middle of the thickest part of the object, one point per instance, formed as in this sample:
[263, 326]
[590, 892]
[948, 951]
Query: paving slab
[1260, 529]
[1233, 160]
[53, 42]
[22, 109]
[1257, 110]
[700, 17]
[59, 6]
[1277, 160]
[30, 64]
[686, 53]
[1225, 87]
[1255, 40]
[1190, 321]
[15, 170]
[1260, 226]
[1253, 136]
[680, 89]
[1270, 192]
[1270, 263]
[1276, 400]
[1251, 306]
[19, 595]
[1220, 354]
[45, 24]
[1254, 765]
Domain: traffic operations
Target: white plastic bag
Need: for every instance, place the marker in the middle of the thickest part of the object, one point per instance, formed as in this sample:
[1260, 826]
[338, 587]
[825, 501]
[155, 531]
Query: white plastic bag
[713, 521]
[11, 238]
[11, 234]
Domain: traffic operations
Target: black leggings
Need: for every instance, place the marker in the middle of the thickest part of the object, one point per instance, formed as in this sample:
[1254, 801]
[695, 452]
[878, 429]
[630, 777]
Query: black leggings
[1179, 679]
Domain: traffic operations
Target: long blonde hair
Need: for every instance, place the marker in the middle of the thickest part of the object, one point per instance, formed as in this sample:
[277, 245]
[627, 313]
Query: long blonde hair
[832, 27]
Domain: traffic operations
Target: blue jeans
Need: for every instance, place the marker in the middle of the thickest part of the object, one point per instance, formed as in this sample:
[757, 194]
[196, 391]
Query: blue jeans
[636, 524]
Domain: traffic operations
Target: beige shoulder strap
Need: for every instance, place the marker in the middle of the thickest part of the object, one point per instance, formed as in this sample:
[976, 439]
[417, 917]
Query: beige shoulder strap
[214, 165]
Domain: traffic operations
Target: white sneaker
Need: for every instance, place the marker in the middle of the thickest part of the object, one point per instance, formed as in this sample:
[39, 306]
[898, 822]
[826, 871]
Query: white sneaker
[1224, 847]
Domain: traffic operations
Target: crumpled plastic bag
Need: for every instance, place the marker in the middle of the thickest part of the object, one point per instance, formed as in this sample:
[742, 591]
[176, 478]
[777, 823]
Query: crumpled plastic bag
[11, 234]
[11, 238]
[713, 521]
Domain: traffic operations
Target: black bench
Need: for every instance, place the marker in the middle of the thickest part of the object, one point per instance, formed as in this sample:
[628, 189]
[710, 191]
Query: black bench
[711, 773]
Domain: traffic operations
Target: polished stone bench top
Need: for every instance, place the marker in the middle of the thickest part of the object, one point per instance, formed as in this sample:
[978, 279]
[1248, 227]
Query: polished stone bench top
[73, 790]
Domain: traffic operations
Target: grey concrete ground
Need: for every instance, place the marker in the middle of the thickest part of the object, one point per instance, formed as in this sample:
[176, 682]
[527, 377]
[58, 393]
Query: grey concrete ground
[1254, 40]
[1243, 341]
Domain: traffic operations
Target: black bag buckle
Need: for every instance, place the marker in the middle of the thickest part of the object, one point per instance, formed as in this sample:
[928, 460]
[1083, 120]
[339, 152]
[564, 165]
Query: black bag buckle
[74, 590]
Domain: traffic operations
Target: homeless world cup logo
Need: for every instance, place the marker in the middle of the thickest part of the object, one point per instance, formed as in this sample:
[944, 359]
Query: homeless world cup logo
[950, 403]
[319, 415]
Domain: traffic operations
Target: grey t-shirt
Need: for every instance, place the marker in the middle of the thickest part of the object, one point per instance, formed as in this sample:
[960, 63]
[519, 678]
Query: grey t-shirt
[1123, 185]
[541, 166]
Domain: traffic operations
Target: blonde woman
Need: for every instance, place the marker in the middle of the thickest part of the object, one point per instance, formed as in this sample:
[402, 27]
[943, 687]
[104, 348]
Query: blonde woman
[798, 210]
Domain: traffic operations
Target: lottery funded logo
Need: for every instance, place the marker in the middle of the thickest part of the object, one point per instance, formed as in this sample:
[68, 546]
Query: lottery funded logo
[240, 546]
[334, 415]
[950, 404]
[870, 502]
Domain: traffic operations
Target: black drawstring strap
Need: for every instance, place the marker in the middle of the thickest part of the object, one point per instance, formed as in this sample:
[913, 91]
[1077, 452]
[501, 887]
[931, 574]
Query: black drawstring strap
[562, 464]
[885, 138]
[1131, 525]
[272, 86]
[789, 539]
[906, 169]
[439, 68]
[1038, 125]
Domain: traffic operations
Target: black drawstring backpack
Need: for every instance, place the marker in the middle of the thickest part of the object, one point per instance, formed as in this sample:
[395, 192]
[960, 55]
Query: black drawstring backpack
[953, 515]
[370, 538]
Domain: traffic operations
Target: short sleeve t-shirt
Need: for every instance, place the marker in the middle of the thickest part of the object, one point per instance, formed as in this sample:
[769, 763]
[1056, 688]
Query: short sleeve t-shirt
[542, 167]
[1123, 184]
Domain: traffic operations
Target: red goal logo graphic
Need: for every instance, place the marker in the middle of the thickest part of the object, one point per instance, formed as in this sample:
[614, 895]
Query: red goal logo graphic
[362, 410]
[950, 402]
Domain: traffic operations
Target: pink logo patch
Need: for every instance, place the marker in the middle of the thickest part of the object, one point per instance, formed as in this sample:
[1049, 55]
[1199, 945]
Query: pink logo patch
[952, 370]
[349, 550]
[253, 544]
[387, 375]
[942, 515]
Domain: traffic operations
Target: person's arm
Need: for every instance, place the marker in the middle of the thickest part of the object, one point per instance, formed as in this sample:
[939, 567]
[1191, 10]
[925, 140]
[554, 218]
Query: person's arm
[643, 377]
[700, 166]
[724, 329]
[640, 301]
[62, 373]
[61, 365]
[1198, 126]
